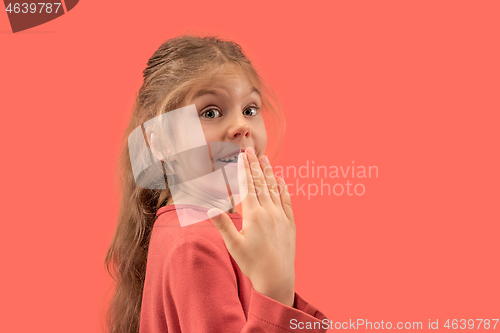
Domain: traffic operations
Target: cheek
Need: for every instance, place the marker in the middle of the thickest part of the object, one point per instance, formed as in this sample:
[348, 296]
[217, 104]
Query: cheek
[260, 138]
[210, 132]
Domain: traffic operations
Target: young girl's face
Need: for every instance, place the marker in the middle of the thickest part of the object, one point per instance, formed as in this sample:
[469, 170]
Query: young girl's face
[229, 110]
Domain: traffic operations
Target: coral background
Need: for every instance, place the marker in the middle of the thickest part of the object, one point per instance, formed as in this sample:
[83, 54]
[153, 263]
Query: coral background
[410, 87]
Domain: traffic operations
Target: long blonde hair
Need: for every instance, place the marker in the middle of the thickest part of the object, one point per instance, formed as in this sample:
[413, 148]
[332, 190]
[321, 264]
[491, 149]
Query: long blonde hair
[176, 67]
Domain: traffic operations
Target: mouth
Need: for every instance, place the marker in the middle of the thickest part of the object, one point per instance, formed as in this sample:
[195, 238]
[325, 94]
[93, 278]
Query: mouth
[232, 157]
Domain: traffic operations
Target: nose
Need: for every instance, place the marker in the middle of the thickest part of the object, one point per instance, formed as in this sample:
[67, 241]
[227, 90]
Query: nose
[239, 128]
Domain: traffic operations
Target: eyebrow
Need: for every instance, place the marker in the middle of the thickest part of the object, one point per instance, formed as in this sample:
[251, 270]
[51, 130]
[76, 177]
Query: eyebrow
[213, 92]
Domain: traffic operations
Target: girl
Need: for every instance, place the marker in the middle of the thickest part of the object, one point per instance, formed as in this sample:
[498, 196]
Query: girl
[228, 272]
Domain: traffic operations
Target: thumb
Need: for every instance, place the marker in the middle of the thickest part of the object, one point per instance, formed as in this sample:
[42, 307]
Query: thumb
[224, 224]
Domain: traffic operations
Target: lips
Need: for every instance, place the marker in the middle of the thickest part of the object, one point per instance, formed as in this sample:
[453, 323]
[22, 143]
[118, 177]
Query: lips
[231, 154]
[232, 157]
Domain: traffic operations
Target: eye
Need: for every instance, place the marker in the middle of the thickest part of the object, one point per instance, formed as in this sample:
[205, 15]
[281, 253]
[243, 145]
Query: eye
[211, 113]
[251, 111]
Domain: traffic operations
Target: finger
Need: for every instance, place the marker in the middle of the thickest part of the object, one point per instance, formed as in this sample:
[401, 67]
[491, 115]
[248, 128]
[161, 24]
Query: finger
[286, 202]
[259, 181]
[245, 183]
[272, 184]
[226, 227]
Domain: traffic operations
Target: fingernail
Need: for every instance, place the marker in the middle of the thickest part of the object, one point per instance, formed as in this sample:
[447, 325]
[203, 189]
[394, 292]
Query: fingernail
[282, 182]
[264, 159]
[250, 151]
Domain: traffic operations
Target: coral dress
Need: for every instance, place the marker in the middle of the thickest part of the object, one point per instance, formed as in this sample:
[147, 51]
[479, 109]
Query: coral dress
[194, 285]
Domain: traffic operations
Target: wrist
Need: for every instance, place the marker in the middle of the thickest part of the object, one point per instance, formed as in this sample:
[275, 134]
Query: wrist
[285, 296]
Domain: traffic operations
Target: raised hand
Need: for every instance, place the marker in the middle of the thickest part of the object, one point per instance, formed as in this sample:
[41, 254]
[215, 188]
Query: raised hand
[264, 249]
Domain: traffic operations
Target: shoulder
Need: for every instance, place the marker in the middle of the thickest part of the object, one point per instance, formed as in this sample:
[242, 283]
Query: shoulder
[172, 244]
[170, 235]
[197, 264]
[196, 246]
[168, 231]
[189, 248]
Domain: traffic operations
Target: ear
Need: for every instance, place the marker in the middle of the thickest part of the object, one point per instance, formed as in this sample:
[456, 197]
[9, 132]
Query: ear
[160, 150]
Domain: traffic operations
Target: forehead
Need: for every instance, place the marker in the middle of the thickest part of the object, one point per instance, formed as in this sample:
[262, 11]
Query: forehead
[233, 80]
